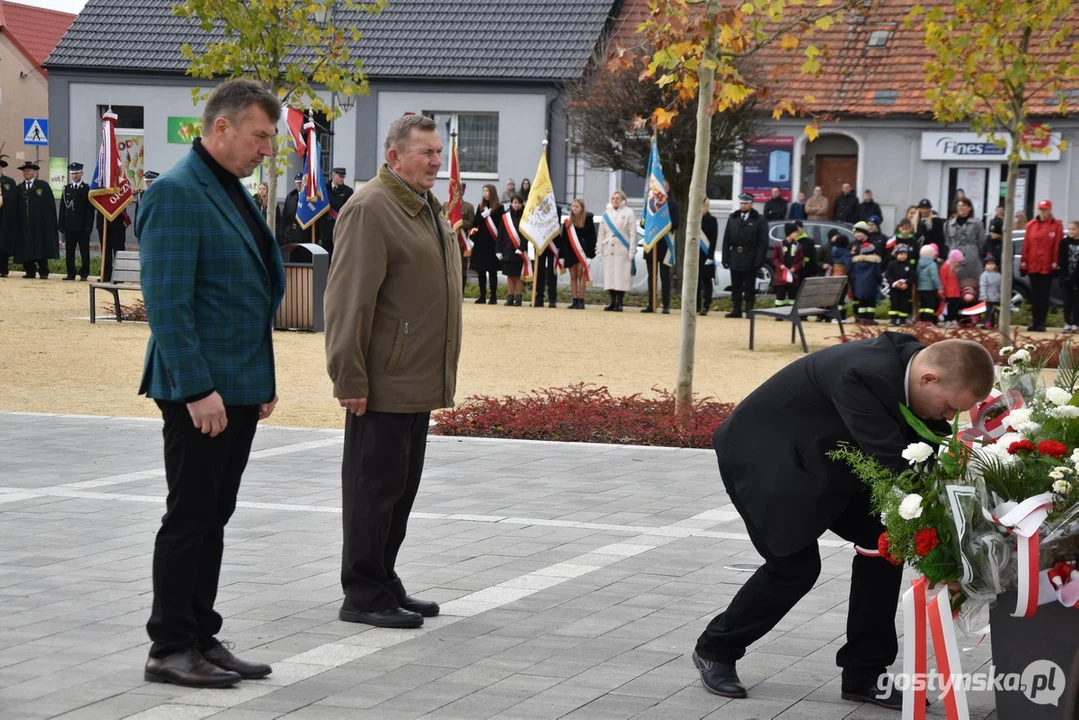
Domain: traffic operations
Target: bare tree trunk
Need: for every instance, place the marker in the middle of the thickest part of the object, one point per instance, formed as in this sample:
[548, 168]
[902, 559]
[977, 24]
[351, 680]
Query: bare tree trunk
[691, 258]
[271, 185]
[1007, 254]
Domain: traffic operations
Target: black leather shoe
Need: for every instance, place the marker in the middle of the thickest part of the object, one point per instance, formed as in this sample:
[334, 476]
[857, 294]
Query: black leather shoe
[223, 658]
[189, 669]
[68, 278]
[872, 694]
[398, 618]
[426, 608]
[734, 314]
[493, 300]
[481, 300]
[647, 310]
[719, 678]
[666, 311]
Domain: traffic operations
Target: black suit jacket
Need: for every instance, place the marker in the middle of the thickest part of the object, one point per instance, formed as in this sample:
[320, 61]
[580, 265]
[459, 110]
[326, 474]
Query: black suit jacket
[773, 448]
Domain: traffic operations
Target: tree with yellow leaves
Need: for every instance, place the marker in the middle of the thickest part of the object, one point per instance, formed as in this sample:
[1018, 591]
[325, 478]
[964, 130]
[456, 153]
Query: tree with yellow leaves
[698, 47]
[992, 61]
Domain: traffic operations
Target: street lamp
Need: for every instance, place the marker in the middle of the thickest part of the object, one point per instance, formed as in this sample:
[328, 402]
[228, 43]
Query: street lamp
[322, 11]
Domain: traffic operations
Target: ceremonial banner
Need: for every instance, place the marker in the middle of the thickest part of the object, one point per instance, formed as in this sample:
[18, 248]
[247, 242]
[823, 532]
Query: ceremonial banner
[315, 202]
[453, 206]
[294, 120]
[539, 222]
[110, 190]
[657, 213]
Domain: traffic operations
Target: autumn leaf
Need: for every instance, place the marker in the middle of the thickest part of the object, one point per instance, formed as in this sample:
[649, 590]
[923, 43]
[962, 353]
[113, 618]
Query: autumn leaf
[662, 118]
[788, 42]
[812, 132]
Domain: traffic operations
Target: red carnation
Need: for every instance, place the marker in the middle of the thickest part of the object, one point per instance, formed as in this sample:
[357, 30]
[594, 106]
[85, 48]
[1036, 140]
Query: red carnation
[1052, 448]
[1021, 446]
[925, 540]
[883, 548]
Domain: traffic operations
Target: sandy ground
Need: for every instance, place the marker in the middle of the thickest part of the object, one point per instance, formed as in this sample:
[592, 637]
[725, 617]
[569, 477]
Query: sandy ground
[53, 360]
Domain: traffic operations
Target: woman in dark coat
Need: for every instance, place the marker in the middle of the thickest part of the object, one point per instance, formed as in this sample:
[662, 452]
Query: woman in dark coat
[526, 187]
[513, 251]
[484, 234]
[583, 228]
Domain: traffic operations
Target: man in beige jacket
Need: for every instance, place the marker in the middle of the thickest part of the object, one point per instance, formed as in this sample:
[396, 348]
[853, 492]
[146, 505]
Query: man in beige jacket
[817, 206]
[393, 339]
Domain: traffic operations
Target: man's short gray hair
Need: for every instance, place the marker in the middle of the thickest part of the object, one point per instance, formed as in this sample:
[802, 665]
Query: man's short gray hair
[231, 98]
[401, 130]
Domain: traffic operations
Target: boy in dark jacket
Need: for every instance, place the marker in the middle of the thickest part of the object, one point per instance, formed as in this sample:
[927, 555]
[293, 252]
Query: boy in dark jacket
[1069, 276]
[900, 275]
[865, 277]
[787, 261]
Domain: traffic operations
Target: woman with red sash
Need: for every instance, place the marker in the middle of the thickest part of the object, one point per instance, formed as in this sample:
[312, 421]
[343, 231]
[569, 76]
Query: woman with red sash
[513, 251]
[576, 247]
[484, 234]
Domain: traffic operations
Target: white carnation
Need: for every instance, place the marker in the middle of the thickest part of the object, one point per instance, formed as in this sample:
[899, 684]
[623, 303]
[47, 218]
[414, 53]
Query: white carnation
[1065, 412]
[1058, 396]
[1006, 350]
[1061, 487]
[1057, 473]
[1029, 347]
[918, 452]
[1019, 356]
[911, 507]
[1019, 416]
[1028, 428]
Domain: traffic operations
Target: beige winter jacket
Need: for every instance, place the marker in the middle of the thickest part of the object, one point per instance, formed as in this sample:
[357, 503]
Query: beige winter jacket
[817, 208]
[393, 301]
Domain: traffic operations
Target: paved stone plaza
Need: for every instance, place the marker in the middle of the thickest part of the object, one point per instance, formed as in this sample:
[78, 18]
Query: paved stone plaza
[574, 581]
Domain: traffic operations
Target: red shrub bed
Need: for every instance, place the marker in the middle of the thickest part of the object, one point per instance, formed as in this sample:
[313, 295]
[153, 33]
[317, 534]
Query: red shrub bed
[991, 340]
[585, 413]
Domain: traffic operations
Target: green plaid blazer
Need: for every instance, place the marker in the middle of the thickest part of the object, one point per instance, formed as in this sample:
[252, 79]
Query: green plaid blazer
[210, 298]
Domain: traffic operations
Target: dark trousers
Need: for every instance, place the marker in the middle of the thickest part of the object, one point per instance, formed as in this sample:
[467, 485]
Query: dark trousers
[785, 294]
[203, 476]
[81, 242]
[39, 267]
[664, 274]
[380, 474]
[865, 308]
[4, 263]
[777, 586]
[487, 276]
[705, 280]
[1039, 298]
[743, 285]
[991, 314]
[928, 302]
[955, 308]
[900, 303]
[1071, 304]
[546, 278]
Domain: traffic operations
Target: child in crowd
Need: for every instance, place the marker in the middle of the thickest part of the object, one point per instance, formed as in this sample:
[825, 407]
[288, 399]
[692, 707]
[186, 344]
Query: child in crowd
[928, 283]
[900, 275]
[838, 264]
[953, 293]
[904, 235]
[787, 260]
[866, 275]
[989, 289]
[513, 252]
[1069, 276]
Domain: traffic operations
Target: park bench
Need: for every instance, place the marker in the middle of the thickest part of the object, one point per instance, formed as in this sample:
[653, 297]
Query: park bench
[817, 297]
[126, 271]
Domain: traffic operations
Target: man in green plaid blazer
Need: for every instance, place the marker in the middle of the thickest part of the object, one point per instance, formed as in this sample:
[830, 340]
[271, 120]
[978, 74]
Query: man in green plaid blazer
[212, 279]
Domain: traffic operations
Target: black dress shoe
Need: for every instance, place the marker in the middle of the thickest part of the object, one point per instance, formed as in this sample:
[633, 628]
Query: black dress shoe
[426, 608]
[31, 277]
[719, 678]
[223, 658]
[493, 300]
[481, 300]
[647, 310]
[189, 669]
[869, 692]
[398, 618]
[666, 311]
[69, 278]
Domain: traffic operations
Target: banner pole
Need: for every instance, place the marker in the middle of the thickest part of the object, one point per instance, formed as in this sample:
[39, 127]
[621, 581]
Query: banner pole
[105, 249]
[535, 277]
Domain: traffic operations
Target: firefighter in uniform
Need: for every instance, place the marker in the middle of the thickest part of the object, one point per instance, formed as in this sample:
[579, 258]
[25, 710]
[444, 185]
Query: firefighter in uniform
[745, 248]
[339, 193]
[75, 221]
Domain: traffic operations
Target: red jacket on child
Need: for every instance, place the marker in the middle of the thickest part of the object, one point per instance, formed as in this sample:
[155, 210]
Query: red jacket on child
[950, 281]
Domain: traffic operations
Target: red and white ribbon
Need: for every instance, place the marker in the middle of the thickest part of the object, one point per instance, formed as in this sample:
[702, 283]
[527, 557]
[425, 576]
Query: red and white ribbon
[1023, 520]
[491, 226]
[466, 242]
[974, 309]
[920, 613]
[507, 221]
[578, 249]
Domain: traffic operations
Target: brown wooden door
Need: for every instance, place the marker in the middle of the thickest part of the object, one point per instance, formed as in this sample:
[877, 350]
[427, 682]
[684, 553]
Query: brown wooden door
[832, 172]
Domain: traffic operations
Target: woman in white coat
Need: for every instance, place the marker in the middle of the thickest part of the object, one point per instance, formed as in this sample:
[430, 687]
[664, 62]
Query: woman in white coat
[618, 243]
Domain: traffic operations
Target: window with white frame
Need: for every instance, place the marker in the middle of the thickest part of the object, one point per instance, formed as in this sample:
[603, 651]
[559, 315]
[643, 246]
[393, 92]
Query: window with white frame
[477, 142]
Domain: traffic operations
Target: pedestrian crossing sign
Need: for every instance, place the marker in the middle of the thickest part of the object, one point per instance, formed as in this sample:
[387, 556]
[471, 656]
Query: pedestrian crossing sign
[35, 131]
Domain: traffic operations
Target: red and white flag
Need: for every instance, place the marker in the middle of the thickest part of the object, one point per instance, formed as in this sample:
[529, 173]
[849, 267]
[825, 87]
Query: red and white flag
[110, 190]
[295, 121]
[454, 212]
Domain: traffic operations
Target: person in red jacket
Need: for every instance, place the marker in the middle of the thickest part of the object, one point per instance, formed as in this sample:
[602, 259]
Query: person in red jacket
[1041, 251]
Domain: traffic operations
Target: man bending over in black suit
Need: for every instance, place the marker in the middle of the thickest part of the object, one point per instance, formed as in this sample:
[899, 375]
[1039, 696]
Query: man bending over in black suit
[789, 492]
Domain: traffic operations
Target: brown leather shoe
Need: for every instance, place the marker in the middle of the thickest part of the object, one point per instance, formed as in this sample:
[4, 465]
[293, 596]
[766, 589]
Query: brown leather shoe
[223, 658]
[190, 669]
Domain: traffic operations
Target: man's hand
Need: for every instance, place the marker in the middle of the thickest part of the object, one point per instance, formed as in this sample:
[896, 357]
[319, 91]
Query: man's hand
[356, 406]
[499, 256]
[709, 262]
[266, 409]
[726, 265]
[208, 415]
